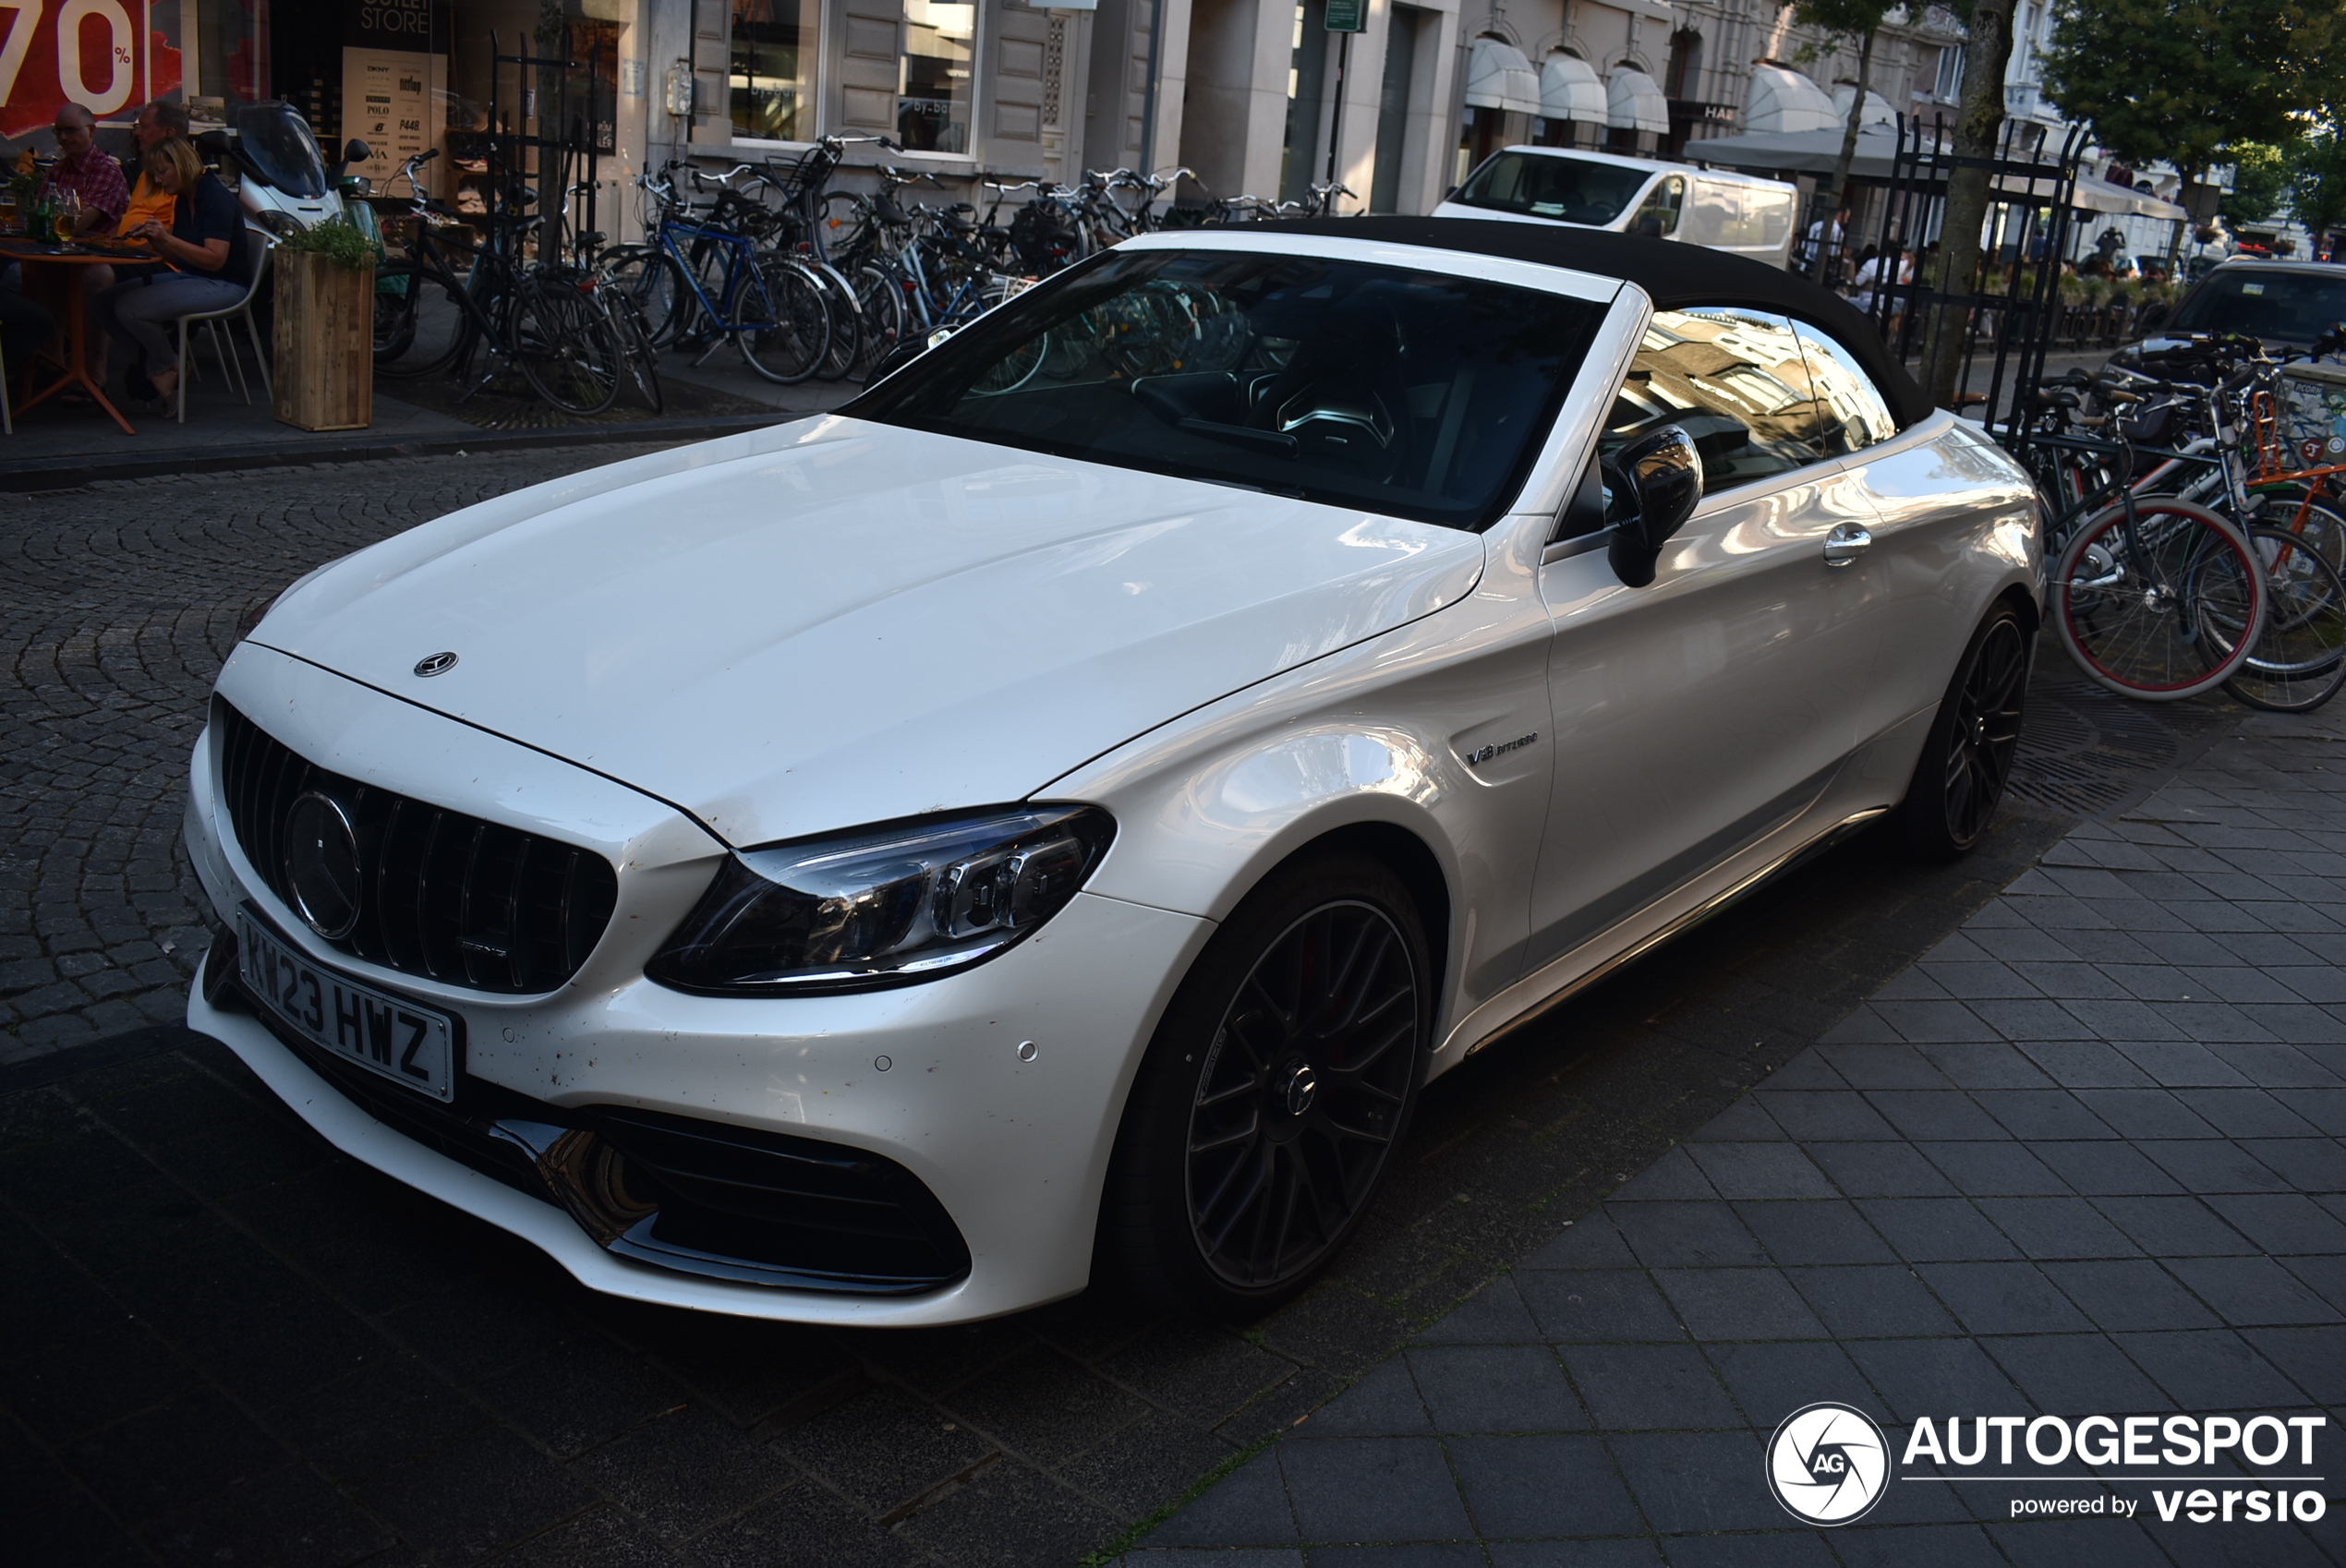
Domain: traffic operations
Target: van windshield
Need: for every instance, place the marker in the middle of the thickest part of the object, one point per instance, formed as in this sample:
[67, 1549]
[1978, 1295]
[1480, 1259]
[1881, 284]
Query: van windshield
[1415, 394]
[1570, 190]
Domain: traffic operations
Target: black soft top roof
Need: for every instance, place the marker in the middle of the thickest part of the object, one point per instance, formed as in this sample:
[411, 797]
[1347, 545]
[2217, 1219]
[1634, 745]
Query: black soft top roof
[1677, 277]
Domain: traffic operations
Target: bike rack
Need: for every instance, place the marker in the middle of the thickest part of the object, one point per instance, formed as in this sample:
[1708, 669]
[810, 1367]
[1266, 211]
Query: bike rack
[531, 169]
[2030, 215]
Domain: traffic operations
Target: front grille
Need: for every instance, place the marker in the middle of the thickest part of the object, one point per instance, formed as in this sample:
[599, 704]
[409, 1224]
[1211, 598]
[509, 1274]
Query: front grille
[463, 901]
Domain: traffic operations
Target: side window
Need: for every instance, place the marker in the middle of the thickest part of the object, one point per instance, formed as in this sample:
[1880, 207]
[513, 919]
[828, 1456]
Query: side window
[1852, 413]
[1657, 215]
[1738, 384]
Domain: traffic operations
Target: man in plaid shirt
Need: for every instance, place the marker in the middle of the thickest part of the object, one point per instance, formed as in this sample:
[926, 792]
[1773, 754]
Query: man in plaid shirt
[83, 170]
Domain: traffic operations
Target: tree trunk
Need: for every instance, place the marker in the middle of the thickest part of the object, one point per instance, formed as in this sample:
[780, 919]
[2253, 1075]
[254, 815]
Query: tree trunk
[1830, 197]
[1987, 52]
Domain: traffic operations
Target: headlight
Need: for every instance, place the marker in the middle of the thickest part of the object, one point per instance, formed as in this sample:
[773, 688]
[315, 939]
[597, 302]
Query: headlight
[882, 907]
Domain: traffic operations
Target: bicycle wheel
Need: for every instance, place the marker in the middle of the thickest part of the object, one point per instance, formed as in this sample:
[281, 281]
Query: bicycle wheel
[879, 301]
[781, 321]
[421, 325]
[654, 283]
[637, 356]
[2299, 659]
[2318, 523]
[847, 324]
[2133, 598]
[563, 346]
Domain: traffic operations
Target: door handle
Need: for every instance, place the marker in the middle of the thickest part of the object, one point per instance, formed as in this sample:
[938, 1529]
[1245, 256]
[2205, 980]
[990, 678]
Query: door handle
[1846, 543]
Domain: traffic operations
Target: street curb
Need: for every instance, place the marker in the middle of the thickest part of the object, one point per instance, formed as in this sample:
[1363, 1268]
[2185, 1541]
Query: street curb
[71, 473]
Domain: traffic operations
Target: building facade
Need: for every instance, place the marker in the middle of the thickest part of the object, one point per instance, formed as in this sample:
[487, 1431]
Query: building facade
[1256, 97]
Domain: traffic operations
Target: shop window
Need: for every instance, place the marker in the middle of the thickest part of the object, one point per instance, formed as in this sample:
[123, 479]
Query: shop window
[936, 73]
[772, 69]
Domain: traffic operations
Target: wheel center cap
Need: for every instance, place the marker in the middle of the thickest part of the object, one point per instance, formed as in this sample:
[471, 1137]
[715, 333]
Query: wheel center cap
[1302, 1088]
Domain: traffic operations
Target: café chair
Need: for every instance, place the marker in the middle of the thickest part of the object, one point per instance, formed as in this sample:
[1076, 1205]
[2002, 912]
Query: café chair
[223, 346]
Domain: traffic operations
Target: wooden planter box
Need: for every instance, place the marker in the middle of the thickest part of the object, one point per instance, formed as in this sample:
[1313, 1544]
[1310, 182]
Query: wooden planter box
[325, 344]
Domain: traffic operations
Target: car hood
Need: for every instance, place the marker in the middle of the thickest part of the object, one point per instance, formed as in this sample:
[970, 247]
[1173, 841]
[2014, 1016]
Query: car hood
[834, 622]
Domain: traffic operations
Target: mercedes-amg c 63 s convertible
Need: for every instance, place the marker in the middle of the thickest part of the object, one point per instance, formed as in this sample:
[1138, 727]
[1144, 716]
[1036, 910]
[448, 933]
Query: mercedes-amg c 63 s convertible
[1056, 814]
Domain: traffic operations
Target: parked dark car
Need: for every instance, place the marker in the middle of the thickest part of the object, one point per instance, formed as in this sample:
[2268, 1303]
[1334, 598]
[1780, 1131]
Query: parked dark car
[2282, 304]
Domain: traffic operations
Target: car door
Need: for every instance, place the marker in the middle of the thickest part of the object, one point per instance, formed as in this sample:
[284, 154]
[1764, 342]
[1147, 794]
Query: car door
[1696, 715]
[1936, 494]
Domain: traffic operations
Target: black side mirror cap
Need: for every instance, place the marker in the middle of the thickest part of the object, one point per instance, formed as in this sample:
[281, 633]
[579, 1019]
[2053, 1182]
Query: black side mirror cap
[2153, 316]
[2331, 341]
[1664, 477]
[356, 151]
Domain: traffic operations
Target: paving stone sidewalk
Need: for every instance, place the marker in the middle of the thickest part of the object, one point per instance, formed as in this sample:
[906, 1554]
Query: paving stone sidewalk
[2083, 1157]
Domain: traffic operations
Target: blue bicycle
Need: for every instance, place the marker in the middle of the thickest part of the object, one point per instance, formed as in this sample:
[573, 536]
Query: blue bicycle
[705, 277]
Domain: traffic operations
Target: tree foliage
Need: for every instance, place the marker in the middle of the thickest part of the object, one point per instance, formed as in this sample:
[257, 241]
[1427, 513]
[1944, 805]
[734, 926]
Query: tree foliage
[2184, 79]
[2260, 182]
[2317, 169]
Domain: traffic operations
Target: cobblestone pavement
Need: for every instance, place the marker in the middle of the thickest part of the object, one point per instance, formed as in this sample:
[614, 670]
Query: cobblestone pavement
[2084, 1158]
[229, 1344]
[117, 603]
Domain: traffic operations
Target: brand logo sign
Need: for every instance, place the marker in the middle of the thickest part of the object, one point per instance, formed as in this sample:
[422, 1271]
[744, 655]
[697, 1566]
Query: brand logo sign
[1828, 1464]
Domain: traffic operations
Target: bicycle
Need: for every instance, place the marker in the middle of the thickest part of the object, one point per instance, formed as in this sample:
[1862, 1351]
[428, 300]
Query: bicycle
[433, 316]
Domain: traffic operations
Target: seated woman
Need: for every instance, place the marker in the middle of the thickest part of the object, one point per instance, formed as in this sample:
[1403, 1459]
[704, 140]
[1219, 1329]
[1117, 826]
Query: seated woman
[210, 264]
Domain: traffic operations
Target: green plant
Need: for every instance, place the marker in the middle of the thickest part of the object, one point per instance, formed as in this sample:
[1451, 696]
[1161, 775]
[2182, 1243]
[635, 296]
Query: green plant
[337, 241]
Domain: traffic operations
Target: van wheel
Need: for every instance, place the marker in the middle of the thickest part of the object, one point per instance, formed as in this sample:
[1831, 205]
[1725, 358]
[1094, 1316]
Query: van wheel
[1968, 757]
[1280, 1081]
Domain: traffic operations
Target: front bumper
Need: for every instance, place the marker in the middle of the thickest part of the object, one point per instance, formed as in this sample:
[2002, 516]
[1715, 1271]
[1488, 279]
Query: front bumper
[1015, 1150]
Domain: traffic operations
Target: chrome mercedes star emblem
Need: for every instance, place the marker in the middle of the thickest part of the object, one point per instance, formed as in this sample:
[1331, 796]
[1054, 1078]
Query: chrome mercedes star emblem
[435, 664]
[322, 864]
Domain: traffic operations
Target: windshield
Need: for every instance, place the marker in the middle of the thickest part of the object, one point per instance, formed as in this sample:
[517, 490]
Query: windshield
[277, 142]
[2276, 306]
[1570, 190]
[1415, 394]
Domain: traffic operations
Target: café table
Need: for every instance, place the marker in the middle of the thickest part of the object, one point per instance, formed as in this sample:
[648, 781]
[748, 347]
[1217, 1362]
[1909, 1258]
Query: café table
[32, 254]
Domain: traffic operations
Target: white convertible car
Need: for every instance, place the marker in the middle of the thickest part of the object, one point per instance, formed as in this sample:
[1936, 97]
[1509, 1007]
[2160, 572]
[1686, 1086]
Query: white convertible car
[1056, 814]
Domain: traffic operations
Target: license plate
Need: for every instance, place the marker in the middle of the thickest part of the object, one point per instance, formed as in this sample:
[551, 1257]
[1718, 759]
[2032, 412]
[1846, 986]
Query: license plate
[383, 1033]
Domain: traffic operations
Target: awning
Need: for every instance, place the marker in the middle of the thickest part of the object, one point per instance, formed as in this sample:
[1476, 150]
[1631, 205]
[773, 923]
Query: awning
[1815, 152]
[1632, 102]
[1498, 77]
[2099, 196]
[1572, 90]
[1877, 111]
[1783, 102]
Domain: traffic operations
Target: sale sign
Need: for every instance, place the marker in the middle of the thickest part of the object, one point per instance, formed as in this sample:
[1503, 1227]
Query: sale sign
[103, 54]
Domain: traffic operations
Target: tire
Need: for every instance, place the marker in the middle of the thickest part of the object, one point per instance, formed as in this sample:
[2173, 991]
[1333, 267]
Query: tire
[565, 347]
[428, 330]
[847, 322]
[1966, 757]
[2132, 608]
[637, 356]
[2299, 660]
[651, 278]
[879, 302]
[1280, 1080]
[786, 322]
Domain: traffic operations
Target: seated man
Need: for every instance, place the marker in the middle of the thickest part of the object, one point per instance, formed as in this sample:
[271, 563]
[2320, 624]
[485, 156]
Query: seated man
[83, 171]
[156, 124]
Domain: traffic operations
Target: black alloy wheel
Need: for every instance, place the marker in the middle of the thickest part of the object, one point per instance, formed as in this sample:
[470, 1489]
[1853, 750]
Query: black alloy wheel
[1967, 757]
[1279, 1083]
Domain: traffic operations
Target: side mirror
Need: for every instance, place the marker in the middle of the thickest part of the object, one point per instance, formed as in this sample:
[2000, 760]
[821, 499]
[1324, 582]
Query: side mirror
[356, 151]
[2331, 341]
[1664, 474]
[2152, 318]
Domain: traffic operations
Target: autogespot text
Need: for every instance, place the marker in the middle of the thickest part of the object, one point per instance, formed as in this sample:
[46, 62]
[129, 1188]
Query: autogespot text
[2047, 1449]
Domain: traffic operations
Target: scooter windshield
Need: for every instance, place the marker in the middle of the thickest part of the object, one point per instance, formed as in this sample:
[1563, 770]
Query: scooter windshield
[277, 142]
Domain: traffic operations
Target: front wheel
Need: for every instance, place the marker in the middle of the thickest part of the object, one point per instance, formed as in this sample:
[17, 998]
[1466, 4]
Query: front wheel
[1966, 757]
[782, 321]
[1280, 1081]
[2136, 588]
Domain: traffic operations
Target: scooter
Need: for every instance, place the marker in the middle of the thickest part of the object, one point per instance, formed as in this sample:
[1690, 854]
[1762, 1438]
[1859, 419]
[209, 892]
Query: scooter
[281, 176]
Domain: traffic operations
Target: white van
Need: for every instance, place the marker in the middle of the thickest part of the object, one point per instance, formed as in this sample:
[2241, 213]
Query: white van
[1600, 190]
